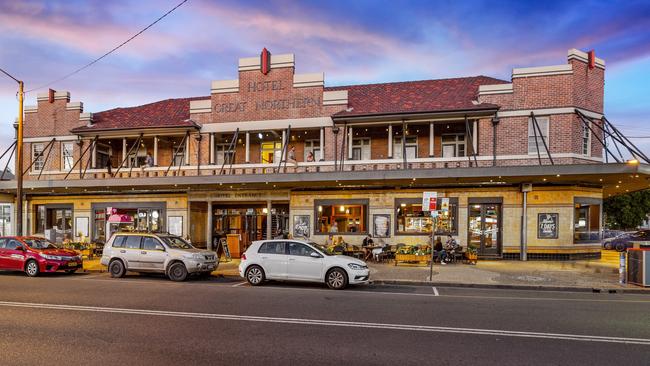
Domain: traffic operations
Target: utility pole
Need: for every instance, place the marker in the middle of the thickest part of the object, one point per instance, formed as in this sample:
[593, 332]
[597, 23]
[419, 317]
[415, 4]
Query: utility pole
[19, 162]
[19, 156]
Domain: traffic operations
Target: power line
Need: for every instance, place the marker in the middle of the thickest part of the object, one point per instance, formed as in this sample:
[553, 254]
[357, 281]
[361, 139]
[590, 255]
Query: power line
[109, 52]
[8, 74]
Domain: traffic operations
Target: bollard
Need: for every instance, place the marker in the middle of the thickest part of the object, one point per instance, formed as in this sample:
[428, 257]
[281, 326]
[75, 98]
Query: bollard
[621, 269]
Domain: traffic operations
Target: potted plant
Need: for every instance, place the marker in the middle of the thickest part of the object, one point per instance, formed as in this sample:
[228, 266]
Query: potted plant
[472, 255]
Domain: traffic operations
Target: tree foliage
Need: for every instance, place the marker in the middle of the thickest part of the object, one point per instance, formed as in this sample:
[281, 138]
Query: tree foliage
[627, 211]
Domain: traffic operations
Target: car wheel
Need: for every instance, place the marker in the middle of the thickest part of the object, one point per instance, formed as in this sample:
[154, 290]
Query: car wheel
[255, 275]
[177, 272]
[620, 247]
[336, 279]
[608, 246]
[31, 268]
[116, 268]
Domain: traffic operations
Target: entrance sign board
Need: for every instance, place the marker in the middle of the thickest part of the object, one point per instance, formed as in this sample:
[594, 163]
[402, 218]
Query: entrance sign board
[547, 224]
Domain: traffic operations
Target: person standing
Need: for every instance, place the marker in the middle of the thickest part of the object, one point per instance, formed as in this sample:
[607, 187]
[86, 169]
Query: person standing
[442, 254]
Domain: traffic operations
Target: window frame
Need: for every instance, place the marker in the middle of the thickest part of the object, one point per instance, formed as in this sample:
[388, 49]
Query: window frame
[458, 141]
[221, 150]
[133, 236]
[453, 202]
[361, 147]
[342, 202]
[586, 139]
[64, 156]
[39, 164]
[6, 218]
[397, 146]
[313, 145]
[545, 135]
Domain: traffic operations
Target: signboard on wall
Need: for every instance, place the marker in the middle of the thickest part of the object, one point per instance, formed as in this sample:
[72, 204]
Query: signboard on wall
[547, 225]
[429, 201]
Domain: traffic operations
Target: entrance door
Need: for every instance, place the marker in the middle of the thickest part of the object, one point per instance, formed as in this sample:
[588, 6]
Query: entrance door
[484, 232]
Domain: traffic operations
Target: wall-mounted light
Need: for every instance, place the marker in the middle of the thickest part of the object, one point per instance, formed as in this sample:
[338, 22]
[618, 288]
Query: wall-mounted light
[342, 208]
[260, 135]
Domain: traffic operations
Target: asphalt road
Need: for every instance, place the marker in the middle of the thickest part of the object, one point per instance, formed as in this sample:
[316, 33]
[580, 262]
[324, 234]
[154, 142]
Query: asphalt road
[92, 319]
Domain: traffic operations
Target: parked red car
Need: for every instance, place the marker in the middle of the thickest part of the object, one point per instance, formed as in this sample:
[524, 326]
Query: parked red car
[34, 255]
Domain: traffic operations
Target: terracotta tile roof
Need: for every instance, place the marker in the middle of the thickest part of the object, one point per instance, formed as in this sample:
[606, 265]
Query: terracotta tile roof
[415, 96]
[162, 114]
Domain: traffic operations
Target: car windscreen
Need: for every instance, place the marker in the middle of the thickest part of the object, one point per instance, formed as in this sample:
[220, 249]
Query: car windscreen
[40, 244]
[176, 242]
[322, 249]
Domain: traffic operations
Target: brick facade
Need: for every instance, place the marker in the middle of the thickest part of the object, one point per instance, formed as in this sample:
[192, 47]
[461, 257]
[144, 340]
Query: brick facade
[274, 97]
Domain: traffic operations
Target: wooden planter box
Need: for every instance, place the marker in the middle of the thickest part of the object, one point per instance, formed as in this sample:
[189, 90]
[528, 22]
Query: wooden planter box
[412, 258]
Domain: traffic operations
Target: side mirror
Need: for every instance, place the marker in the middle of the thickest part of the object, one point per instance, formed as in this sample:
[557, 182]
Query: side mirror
[315, 255]
[20, 248]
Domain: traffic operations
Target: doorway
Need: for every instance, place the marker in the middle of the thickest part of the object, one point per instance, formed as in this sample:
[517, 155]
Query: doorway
[484, 228]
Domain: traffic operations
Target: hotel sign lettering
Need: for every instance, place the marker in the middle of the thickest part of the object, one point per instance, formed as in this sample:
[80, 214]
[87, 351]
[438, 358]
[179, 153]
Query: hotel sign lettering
[257, 87]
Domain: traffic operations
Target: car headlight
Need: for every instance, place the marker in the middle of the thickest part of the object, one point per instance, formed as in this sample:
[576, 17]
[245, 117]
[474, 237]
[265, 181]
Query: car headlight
[51, 257]
[357, 267]
[195, 256]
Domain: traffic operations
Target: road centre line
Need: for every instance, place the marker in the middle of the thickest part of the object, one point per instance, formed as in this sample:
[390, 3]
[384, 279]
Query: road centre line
[435, 291]
[334, 323]
[239, 284]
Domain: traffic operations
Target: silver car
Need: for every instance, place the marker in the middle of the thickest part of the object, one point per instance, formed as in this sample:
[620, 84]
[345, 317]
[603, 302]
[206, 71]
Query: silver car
[156, 253]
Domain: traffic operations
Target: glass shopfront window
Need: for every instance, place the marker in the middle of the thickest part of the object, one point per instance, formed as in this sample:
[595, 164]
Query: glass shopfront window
[410, 219]
[341, 216]
[109, 218]
[54, 222]
[586, 220]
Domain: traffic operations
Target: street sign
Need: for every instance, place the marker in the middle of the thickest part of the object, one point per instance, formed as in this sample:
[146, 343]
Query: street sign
[429, 201]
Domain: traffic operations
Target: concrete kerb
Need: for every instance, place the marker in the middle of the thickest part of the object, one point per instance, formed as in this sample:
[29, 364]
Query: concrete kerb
[513, 287]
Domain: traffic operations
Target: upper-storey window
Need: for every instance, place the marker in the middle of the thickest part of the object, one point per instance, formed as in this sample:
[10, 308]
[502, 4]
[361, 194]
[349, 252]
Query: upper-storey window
[535, 140]
[313, 147]
[179, 154]
[411, 147]
[223, 155]
[360, 149]
[67, 159]
[102, 156]
[453, 145]
[37, 157]
[586, 140]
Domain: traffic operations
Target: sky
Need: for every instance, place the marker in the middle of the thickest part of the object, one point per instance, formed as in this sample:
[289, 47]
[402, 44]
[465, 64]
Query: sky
[353, 42]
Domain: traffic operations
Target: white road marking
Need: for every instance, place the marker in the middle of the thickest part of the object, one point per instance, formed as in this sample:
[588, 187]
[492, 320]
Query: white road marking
[239, 284]
[435, 291]
[334, 323]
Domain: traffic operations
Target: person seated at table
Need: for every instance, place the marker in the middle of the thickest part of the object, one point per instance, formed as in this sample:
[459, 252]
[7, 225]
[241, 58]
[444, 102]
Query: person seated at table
[378, 249]
[451, 243]
[366, 245]
[329, 242]
[441, 253]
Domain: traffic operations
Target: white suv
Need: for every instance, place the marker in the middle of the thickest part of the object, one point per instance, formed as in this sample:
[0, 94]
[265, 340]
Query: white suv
[296, 260]
[156, 253]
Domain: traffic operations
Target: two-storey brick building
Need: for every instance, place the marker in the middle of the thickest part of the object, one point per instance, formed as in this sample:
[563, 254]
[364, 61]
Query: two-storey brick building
[511, 162]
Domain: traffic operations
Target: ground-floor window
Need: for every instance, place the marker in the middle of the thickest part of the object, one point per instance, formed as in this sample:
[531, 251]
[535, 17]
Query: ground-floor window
[586, 220]
[341, 216]
[411, 219]
[54, 222]
[5, 220]
[111, 218]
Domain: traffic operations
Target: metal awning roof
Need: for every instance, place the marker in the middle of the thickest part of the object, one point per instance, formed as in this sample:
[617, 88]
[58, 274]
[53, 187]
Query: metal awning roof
[614, 178]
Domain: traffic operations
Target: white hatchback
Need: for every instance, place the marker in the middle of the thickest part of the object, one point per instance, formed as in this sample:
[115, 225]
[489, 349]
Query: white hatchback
[297, 260]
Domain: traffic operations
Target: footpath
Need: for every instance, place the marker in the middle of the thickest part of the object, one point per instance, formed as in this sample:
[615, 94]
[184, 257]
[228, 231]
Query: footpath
[599, 275]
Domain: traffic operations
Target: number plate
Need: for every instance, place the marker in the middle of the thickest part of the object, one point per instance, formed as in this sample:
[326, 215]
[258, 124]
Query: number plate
[72, 264]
